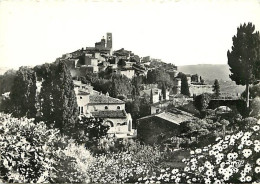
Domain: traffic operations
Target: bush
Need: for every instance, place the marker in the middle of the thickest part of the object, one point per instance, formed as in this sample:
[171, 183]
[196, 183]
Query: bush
[33, 153]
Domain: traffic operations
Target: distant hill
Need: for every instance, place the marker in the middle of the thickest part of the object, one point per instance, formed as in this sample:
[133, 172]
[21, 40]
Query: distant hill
[211, 72]
[207, 71]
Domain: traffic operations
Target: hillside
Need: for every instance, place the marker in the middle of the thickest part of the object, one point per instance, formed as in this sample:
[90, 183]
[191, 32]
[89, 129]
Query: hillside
[207, 71]
[211, 72]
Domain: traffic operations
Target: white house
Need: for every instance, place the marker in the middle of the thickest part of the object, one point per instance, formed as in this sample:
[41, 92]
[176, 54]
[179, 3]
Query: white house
[111, 110]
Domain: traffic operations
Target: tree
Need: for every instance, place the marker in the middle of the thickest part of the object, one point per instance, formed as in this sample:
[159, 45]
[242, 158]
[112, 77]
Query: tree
[244, 58]
[151, 96]
[185, 86]
[253, 90]
[7, 80]
[92, 129]
[164, 91]
[114, 89]
[59, 105]
[216, 88]
[255, 108]
[201, 102]
[23, 94]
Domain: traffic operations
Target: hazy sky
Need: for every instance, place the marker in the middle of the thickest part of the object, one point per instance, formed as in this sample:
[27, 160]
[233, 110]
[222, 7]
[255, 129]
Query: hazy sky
[177, 31]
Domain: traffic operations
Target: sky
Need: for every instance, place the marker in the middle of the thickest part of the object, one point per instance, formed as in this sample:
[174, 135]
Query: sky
[181, 32]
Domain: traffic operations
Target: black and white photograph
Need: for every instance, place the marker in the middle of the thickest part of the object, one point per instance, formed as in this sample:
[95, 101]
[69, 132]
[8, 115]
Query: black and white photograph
[130, 91]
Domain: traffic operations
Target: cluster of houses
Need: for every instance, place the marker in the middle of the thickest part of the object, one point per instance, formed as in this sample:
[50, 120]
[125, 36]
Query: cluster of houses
[101, 57]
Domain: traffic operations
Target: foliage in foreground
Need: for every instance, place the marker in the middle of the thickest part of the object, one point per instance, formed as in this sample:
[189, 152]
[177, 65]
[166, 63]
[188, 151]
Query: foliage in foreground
[235, 159]
[33, 153]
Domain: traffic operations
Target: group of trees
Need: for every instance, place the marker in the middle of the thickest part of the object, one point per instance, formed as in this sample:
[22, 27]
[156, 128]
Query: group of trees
[56, 104]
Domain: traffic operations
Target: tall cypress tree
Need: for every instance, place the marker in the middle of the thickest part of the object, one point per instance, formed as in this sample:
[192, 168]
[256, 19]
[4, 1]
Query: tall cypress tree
[244, 58]
[151, 96]
[163, 91]
[23, 93]
[60, 110]
[185, 86]
[216, 88]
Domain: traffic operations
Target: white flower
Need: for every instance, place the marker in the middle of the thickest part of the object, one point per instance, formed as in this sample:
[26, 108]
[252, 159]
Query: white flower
[242, 179]
[218, 138]
[226, 178]
[248, 178]
[257, 169]
[235, 155]
[240, 146]
[186, 169]
[207, 164]
[207, 180]
[256, 128]
[193, 160]
[201, 169]
[177, 180]
[249, 142]
[211, 152]
[220, 148]
[257, 142]
[225, 146]
[193, 167]
[222, 165]
[247, 134]
[239, 134]
[217, 182]
[174, 171]
[230, 156]
[194, 179]
[257, 148]
[198, 151]
[209, 173]
[192, 152]
[247, 153]
[227, 137]
[258, 161]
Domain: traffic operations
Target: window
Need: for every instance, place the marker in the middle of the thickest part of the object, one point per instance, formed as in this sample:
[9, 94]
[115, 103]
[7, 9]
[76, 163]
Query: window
[106, 107]
[80, 97]
[118, 107]
[81, 110]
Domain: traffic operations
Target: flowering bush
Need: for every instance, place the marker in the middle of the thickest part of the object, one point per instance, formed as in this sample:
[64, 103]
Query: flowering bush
[235, 158]
[32, 153]
[126, 166]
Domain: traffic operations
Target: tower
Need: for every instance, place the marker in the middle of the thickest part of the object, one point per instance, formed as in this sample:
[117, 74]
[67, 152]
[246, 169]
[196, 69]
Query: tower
[109, 41]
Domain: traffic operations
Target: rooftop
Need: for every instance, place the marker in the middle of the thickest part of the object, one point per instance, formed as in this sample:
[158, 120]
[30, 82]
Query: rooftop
[109, 114]
[103, 99]
[148, 91]
[175, 116]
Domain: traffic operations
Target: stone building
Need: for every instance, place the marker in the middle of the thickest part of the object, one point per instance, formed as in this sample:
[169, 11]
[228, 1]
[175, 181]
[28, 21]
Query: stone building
[157, 128]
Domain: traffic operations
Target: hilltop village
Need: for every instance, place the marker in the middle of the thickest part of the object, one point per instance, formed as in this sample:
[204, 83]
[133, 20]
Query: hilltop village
[101, 60]
[98, 115]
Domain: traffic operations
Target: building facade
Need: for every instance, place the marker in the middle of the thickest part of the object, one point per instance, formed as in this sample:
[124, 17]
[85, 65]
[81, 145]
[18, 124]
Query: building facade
[111, 110]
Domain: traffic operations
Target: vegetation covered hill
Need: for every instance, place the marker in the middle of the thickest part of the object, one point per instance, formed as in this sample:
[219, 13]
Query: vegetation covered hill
[211, 72]
[208, 71]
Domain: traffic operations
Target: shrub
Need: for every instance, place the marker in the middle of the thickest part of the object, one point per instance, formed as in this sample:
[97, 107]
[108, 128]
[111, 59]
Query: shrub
[32, 153]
